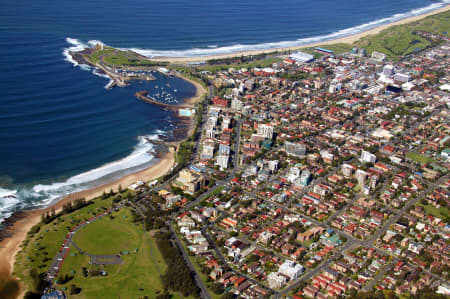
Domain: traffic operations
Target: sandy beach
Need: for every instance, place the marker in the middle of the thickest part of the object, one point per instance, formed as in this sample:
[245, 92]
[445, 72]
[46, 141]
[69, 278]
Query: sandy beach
[10, 246]
[347, 40]
[200, 90]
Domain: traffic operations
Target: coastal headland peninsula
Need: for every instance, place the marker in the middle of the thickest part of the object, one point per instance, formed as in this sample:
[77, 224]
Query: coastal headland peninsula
[303, 174]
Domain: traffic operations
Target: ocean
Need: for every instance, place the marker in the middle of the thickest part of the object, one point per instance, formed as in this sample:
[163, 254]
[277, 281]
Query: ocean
[61, 131]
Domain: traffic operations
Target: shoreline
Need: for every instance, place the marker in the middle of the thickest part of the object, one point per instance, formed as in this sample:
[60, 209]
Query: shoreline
[11, 245]
[200, 90]
[346, 39]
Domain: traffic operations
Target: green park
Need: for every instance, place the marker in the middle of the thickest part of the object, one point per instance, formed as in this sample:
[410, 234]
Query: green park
[138, 275]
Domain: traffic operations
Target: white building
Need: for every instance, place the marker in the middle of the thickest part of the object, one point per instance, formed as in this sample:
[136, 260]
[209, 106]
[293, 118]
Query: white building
[380, 133]
[347, 169]
[361, 176]
[402, 77]
[226, 123]
[389, 70]
[273, 165]
[291, 269]
[211, 122]
[326, 155]
[224, 149]
[302, 57]
[276, 280]
[368, 157]
[207, 149]
[222, 161]
[265, 131]
[236, 105]
[186, 221]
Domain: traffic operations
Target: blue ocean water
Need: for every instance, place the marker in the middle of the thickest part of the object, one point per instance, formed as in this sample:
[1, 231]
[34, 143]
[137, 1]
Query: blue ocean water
[61, 131]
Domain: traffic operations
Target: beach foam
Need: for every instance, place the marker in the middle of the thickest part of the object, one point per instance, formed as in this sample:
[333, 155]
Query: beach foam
[77, 46]
[8, 201]
[142, 154]
[42, 195]
[209, 50]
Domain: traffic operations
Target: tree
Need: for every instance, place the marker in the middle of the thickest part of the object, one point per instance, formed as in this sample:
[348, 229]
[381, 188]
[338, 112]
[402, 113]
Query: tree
[164, 296]
[227, 296]
[32, 295]
[74, 289]
[217, 288]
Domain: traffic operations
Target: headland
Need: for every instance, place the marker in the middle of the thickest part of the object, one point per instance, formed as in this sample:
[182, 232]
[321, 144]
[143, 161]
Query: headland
[121, 67]
[9, 246]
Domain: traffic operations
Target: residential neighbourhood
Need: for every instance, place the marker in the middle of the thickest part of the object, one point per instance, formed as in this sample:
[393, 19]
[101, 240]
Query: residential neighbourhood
[327, 176]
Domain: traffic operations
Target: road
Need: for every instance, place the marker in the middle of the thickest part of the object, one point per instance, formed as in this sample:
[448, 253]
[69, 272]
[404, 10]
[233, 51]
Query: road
[351, 241]
[58, 260]
[224, 260]
[204, 291]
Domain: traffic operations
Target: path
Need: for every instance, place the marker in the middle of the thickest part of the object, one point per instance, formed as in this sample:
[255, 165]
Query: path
[58, 261]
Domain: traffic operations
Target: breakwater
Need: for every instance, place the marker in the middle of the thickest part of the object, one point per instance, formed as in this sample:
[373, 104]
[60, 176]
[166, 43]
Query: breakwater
[144, 96]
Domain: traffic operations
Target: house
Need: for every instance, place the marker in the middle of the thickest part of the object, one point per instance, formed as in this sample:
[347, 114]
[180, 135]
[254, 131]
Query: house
[311, 291]
[220, 102]
[309, 234]
[186, 221]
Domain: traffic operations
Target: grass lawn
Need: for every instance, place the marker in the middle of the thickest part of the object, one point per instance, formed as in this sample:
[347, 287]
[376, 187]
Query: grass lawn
[396, 41]
[419, 158]
[123, 58]
[37, 252]
[138, 276]
[109, 236]
[116, 57]
[441, 212]
[399, 40]
[95, 56]
[336, 48]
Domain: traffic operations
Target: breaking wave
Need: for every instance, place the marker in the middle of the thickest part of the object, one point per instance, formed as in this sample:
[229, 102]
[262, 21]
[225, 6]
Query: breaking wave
[42, 195]
[216, 50]
[77, 46]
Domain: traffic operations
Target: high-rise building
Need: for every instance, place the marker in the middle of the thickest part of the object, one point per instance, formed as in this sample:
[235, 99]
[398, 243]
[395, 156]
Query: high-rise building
[305, 177]
[207, 149]
[273, 165]
[236, 105]
[368, 157]
[361, 176]
[226, 122]
[222, 161]
[347, 169]
[265, 131]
